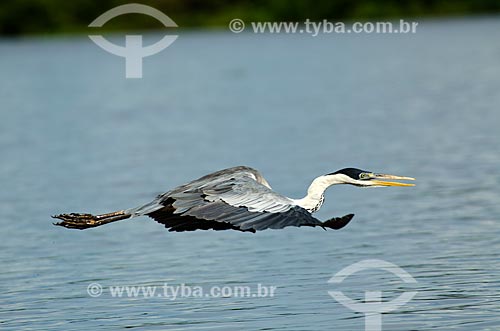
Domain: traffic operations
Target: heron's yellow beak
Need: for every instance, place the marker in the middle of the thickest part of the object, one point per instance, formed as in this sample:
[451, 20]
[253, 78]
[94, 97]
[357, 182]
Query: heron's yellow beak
[376, 180]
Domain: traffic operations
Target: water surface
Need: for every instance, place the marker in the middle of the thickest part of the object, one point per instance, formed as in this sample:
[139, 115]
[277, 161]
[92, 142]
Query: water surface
[76, 136]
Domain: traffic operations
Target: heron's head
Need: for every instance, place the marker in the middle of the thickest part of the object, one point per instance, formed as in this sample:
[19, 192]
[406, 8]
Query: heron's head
[364, 178]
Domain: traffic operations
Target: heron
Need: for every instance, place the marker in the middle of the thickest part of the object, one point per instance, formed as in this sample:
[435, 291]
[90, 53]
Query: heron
[238, 198]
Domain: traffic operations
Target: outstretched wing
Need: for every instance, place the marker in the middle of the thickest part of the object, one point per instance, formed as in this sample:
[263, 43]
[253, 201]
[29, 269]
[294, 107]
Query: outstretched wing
[235, 198]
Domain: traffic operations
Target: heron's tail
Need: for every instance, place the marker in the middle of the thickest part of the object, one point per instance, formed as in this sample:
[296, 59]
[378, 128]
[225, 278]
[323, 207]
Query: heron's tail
[85, 221]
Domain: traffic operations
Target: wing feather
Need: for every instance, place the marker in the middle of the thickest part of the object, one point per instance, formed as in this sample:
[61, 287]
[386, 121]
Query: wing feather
[237, 198]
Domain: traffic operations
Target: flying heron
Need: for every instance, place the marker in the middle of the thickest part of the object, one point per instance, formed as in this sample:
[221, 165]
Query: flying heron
[238, 198]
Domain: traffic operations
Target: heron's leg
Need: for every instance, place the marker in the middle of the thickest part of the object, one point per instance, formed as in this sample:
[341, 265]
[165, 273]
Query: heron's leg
[337, 223]
[85, 221]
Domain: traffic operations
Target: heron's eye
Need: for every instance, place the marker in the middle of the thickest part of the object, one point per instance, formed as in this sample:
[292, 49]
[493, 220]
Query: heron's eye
[364, 175]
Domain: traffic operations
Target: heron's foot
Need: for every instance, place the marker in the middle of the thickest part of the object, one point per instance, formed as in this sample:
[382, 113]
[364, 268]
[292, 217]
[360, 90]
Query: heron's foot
[77, 221]
[338, 223]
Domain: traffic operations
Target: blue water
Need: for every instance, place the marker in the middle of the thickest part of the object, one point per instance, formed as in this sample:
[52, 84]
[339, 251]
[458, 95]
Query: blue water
[76, 136]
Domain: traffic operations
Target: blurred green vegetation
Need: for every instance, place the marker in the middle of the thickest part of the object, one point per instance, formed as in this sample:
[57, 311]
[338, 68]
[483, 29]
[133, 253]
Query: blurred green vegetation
[20, 17]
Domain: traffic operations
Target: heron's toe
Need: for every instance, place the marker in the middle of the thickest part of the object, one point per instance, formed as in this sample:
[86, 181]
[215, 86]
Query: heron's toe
[76, 220]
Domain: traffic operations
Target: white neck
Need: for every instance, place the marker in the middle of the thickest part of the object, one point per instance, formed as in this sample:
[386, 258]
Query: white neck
[315, 193]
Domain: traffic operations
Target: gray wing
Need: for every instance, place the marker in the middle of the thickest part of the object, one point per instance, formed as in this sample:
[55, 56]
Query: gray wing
[236, 198]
